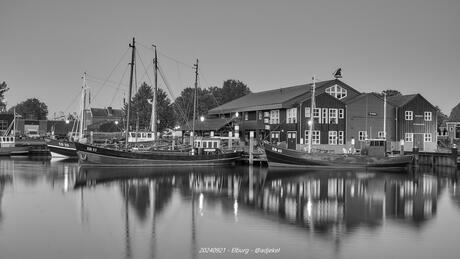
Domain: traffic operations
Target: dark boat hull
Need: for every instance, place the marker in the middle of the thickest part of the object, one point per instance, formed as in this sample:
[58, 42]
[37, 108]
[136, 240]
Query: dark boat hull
[99, 156]
[281, 157]
[61, 148]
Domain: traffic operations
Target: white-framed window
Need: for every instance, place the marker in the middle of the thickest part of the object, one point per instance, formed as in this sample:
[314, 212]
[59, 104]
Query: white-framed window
[315, 139]
[275, 135]
[324, 115]
[266, 114]
[291, 115]
[428, 116]
[409, 137]
[275, 117]
[337, 91]
[341, 114]
[332, 137]
[362, 135]
[317, 114]
[381, 134]
[427, 137]
[333, 116]
[341, 137]
[409, 115]
[307, 112]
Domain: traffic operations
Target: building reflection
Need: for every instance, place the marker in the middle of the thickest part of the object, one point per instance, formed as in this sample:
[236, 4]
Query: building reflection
[320, 202]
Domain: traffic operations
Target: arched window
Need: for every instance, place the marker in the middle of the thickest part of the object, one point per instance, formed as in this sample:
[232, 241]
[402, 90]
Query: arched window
[337, 91]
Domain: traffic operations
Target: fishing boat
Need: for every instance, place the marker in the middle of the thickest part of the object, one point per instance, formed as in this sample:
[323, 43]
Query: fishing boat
[283, 157]
[204, 152]
[66, 147]
[373, 155]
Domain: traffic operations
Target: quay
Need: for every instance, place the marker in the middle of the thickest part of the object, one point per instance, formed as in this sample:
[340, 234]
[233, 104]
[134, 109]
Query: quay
[24, 148]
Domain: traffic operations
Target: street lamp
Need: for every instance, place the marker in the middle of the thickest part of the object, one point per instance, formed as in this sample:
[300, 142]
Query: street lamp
[202, 118]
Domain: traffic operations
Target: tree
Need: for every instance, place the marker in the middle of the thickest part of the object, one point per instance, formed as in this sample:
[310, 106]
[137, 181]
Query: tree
[141, 109]
[441, 117]
[455, 113]
[207, 98]
[31, 108]
[3, 89]
[233, 89]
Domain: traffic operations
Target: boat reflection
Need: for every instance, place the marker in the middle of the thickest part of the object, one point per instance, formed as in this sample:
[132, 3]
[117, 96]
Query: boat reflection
[316, 200]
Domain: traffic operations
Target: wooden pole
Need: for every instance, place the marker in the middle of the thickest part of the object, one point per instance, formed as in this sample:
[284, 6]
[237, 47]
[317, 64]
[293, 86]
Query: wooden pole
[251, 147]
[133, 56]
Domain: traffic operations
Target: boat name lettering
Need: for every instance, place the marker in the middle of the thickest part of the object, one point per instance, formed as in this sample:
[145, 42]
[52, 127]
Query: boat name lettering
[91, 149]
[63, 144]
[277, 150]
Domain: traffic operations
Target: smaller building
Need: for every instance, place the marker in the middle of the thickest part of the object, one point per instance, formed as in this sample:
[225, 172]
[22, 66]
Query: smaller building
[103, 115]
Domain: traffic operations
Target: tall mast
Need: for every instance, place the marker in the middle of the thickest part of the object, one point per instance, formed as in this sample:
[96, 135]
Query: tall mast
[153, 120]
[384, 115]
[133, 56]
[194, 102]
[312, 121]
[82, 106]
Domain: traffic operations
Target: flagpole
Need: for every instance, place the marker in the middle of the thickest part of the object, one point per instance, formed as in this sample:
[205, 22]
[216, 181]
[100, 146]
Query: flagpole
[310, 123]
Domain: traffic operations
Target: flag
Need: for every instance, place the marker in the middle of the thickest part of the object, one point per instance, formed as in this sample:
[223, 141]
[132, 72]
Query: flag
[338, 73]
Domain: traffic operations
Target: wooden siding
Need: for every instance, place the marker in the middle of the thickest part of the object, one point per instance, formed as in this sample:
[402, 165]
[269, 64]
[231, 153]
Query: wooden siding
[418, 105]
[366, 114]
[323, 100]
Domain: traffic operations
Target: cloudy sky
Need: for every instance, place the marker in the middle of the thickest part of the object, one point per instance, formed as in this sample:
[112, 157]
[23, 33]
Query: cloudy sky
[408, 45]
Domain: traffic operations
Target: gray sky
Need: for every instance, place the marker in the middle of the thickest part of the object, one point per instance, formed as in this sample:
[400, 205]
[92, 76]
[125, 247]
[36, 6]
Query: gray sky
[408, 45]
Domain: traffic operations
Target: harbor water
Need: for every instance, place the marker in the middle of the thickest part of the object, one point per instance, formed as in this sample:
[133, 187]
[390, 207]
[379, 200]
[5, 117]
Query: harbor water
[55, 209]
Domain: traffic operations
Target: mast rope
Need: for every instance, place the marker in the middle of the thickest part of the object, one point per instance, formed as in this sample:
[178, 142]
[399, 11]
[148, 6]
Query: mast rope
[118, 87]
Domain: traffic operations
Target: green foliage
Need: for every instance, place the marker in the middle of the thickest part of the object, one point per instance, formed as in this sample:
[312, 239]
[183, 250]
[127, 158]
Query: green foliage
[455, 113]
[3, 89]
[31, 108]
[141, 109]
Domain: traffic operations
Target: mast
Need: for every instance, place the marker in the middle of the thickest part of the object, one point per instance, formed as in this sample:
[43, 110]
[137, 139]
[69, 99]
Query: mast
[153, 121]
[133, 56]
[384, 115]
[310, 130]
[194, 102]
[83, 106]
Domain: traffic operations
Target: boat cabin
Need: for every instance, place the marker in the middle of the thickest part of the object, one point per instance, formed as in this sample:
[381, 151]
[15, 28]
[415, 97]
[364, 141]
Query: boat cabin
[141, 136]
[7, 141]
[207, 144]
[374, 147]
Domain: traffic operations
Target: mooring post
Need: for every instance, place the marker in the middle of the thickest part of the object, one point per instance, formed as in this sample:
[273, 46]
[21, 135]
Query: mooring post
[251, 147]
[230, 140]
[416, 156]
[454, 154]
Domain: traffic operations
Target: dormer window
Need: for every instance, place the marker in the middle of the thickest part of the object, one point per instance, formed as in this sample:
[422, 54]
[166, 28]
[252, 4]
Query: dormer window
[337, 91]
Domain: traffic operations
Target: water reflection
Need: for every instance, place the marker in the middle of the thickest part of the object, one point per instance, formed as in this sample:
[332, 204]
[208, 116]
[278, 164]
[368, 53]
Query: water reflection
[173, 212]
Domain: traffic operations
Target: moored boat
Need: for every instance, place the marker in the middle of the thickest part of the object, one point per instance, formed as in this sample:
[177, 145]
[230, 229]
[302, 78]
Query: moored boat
[101, 156]
[282, 157]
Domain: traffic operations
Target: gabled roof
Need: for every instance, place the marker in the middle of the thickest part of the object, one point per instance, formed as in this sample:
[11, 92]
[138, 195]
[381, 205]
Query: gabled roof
[401, 100]
[363, 95]
[272, 99]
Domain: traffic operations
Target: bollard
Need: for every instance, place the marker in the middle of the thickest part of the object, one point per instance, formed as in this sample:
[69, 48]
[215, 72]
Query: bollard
[416, 156]
[455, 155]
[251, 147]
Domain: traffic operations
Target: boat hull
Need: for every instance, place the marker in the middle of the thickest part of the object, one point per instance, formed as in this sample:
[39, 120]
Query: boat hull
[281, 157]
[99, 156]
[61, 148]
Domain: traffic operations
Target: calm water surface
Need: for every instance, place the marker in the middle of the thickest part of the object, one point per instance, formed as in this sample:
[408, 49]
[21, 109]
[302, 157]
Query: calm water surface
[58, 210]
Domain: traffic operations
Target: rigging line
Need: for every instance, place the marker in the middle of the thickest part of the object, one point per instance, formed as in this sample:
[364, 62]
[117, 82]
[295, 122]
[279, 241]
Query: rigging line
[118, 88]
[213, 96]
[99, 80]
[175, 105]
[145, 69]
[73, 101]
[166, 56]
[110, 86]
[111, 72]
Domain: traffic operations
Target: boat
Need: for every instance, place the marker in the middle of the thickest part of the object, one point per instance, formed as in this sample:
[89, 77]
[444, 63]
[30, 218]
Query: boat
[283, 157]
[66, 147]
[204, 151]
[373, 155]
